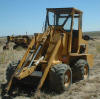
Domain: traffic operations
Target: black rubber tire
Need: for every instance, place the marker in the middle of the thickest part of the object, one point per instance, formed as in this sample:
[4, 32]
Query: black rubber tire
[5, 48]
[11, 69]
[78, 70]
[15, 46]
[56, 77]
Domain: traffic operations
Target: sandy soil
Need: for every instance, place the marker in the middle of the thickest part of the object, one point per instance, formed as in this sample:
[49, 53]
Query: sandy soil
[88, 89]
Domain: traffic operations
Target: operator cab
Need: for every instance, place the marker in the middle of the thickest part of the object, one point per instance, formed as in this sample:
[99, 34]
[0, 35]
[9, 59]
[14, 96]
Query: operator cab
[70, 19]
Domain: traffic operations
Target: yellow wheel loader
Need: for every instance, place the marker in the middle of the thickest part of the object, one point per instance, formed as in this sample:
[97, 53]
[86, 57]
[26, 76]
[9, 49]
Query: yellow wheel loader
[20, 40]
[59, 54]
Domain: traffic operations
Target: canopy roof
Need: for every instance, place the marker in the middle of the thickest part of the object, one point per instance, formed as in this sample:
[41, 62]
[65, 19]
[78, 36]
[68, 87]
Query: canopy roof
[64, 10]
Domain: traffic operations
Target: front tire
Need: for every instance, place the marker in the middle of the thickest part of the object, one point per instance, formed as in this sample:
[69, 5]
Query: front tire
[10, 70]
[60, 78]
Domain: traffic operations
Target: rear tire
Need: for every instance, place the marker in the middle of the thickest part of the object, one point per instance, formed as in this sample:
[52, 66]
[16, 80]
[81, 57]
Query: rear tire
[81, 70]
[60, 78]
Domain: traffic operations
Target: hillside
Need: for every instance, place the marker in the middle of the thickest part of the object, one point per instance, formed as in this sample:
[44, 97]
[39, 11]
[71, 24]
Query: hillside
[92, 33]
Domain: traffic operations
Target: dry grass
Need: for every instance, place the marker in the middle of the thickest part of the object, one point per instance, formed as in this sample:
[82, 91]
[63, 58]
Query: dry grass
[82, 90]
[2, 57]
[19, 48]
[10, 55]
[41, 95]
[98, 47]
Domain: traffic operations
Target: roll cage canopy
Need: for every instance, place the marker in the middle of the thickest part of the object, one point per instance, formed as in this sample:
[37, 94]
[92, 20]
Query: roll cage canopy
[62, 17]
[64, 10]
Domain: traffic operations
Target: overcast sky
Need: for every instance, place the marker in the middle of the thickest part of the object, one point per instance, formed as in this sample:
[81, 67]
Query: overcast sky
[21, 16]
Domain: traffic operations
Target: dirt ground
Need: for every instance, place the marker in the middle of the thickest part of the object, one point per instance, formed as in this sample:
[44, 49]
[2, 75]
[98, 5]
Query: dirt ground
[88, 89]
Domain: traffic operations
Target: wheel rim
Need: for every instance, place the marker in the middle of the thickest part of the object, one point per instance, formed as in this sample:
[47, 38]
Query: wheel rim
[85, 72]
[67, 78]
